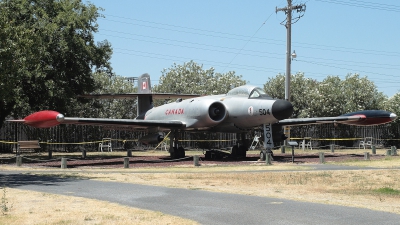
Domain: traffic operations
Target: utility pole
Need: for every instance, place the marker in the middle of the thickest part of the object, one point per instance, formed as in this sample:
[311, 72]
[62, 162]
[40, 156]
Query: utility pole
[289, 21]
[288, 24]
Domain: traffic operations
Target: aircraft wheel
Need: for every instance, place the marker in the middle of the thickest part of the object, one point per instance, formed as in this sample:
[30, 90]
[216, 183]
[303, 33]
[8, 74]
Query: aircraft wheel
[208, 155]
[181, 152]
[235, 150]
[174, 155]
[242, 151]
[270, 152]
[263, 155]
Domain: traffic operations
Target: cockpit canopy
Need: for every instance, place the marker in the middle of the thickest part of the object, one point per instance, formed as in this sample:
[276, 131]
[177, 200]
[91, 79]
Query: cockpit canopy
[248, 91]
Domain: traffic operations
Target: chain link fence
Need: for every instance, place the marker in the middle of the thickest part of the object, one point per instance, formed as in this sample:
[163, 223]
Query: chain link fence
[75, 137]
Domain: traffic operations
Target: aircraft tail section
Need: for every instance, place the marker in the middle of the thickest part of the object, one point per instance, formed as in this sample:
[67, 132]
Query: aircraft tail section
[145, 102]
[144, 84]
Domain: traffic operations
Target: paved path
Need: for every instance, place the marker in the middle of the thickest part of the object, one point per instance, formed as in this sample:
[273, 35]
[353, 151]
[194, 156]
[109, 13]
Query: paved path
[202, 206]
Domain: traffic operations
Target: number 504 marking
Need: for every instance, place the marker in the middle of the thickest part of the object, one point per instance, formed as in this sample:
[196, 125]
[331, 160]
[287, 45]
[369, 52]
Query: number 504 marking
[264, 112]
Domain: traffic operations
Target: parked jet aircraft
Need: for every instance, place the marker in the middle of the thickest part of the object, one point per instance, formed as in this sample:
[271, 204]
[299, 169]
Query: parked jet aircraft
[240, 110]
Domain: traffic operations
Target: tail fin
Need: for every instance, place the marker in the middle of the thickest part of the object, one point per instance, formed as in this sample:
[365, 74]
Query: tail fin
[145, 102]
[144, 84]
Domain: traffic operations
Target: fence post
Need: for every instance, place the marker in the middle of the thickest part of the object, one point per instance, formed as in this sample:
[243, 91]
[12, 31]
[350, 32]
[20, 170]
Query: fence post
[332, 148]
[50, 154]
[18, 160]
[129, 153]
[268, 159]
[373, 147]
[63, 163]
[321, 158]
[84, 154]
[126, 162]
[394, 150]
[196, 160]
[283, 149]
[366, 155]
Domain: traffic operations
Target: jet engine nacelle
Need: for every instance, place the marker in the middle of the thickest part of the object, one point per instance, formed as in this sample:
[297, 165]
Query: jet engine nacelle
[207, 114]
[197, 113]
[151, 139]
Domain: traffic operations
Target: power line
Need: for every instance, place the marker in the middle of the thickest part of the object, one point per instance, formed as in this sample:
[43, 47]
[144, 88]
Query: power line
[365, 4]
[184, 59]
[232, 36]
[241, 66]
[334, 63]
[263, 53]
[264, 69]
[325, 64]
[247, 42]
[200, 31]
[344, 68]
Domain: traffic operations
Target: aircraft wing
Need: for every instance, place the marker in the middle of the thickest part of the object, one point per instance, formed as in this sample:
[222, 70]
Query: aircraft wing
[360, 118]
[134, 95]
[47, 118]
[122, 122]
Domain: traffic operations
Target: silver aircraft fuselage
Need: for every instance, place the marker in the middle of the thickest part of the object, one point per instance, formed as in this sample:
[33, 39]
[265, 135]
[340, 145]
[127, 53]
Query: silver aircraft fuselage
[240, 109]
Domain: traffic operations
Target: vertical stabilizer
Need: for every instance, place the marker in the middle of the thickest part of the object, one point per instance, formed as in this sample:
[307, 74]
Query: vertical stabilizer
[144, 84]
[145, 102]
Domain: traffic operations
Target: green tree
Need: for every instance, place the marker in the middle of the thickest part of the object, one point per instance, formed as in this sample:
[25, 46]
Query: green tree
[301, 90]
[191, 78]
[109, 108]
[47, 54]
[330, 97]
[327, 98]
[362, 94]
[392, 132]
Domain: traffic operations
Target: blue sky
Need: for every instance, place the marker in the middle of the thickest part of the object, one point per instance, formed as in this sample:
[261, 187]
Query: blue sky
[334, 37]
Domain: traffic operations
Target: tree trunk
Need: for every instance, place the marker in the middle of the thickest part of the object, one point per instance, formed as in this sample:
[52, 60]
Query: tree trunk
[5, 111]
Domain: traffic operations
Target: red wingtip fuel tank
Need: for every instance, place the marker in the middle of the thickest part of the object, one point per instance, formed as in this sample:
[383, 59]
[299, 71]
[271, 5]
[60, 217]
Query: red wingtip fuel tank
[371, 117]
[43, 119]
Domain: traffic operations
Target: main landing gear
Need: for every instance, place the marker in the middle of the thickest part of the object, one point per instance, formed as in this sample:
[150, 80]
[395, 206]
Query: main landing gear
[238, 151]
[175, 151]
[263, 154]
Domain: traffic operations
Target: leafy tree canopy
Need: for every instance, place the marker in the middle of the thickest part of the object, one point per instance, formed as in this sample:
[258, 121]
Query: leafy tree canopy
[191, 78]
[330, 97]
[47, 54]
[109, 108]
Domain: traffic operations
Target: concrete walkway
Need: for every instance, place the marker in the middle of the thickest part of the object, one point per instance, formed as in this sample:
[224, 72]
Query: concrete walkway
[202, 206]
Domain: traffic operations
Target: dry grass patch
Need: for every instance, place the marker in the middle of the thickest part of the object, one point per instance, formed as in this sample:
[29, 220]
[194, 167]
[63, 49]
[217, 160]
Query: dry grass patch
[387, 162]
[349, 188]
[372, 189]
[29, 207]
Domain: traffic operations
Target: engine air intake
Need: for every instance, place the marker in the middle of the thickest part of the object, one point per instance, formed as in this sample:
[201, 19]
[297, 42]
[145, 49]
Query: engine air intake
[217, 111]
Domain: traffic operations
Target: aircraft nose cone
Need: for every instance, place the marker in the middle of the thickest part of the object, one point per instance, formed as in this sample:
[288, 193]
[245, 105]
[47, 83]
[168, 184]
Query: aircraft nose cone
[282, 109]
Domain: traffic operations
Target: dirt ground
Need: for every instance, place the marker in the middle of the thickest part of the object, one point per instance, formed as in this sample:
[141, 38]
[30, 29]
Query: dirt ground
[162, 160]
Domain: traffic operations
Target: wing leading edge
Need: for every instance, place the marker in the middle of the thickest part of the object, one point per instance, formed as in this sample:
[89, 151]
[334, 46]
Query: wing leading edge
[46, 119]
[360, 118]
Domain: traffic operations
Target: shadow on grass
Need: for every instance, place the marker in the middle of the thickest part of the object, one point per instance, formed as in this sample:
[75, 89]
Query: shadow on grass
[12, 180]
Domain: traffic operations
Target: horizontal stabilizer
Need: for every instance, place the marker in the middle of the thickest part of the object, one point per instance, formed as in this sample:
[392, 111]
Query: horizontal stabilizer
[135, 95]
